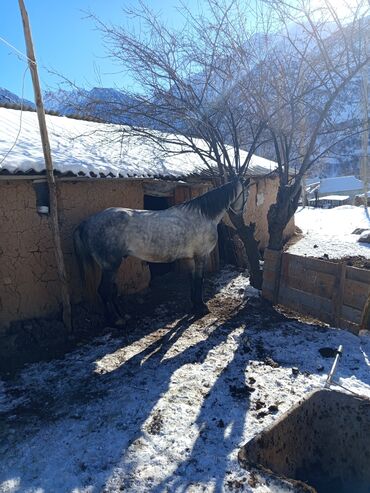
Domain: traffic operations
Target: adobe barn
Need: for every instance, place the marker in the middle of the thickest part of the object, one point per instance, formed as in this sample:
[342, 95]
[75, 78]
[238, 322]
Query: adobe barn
[95, 169]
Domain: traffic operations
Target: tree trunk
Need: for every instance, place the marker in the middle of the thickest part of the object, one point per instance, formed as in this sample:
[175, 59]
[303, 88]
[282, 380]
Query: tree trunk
[246, 234]
[280, 214]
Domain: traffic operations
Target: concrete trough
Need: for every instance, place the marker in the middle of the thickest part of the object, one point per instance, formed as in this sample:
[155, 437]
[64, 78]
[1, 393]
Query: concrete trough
[323, 442]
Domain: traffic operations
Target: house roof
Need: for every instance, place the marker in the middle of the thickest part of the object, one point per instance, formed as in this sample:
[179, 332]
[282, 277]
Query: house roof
[339, 198]
[340, 184]
[85, 148]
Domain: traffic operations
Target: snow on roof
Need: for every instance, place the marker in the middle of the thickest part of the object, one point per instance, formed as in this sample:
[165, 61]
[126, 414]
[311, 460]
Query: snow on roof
[335, 197]
[312, 181]
[87, 148]
[340, 184]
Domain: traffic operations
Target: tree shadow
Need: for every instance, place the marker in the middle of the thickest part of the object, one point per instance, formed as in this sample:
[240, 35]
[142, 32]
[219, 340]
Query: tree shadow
[67, 395]
[85, 429]
[221, 429]
[215, 423]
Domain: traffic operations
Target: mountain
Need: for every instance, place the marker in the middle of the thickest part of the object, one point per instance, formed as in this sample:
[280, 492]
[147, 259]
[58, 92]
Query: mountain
[9, 98]
[114, 106]
[104, 104]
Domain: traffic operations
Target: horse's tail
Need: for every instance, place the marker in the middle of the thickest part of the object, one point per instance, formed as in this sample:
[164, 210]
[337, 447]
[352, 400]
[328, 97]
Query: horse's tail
[85, 261]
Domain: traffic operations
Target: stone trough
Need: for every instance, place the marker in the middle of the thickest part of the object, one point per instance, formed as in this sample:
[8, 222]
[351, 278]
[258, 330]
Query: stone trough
[324, 442]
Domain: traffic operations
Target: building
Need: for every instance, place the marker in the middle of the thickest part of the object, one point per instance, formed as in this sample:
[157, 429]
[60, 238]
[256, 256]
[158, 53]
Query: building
[95, 169]
[334, 191]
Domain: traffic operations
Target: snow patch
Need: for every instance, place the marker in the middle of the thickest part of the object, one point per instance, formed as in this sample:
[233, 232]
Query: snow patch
[329, 231]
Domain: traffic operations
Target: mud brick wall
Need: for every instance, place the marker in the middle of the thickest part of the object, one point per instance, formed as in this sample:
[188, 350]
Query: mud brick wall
[28, 275]
[261, 195]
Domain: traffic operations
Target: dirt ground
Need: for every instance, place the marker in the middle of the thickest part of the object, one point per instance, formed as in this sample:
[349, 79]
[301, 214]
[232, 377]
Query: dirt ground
[35, 340]
[353, 261]
[166, 404]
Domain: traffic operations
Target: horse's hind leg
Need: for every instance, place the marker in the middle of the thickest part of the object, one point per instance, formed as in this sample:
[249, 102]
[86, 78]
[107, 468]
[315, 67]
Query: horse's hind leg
[197, 286]
[109, 295]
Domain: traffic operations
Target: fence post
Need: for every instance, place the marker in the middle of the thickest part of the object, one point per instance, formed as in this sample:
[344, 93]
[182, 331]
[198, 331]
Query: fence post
[365, 318]
[338, 293]
[272, 268]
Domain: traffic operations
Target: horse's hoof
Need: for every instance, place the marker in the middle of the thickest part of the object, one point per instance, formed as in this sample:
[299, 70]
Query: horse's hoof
[201, 309]
[120, 322]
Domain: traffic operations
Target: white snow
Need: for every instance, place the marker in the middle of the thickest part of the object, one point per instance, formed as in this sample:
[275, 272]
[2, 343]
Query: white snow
[334, 197]
[329, 231]
[167, 412]
[83, 147]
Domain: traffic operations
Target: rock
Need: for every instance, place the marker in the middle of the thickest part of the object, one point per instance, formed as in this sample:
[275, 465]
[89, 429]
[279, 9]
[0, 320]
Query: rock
[241, 392]
[295, 371]
[261, 415]
[270, 362]
[358, 231]
[259, 405]
[328, 352]
[364, 236]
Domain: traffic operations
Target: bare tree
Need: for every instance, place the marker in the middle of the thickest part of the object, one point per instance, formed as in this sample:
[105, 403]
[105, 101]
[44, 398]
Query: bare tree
[187, 89]
[310, 73]
[240, 77]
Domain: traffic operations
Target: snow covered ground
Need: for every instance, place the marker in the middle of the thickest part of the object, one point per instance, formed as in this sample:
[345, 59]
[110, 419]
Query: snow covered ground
[329, 231]
[167, 407]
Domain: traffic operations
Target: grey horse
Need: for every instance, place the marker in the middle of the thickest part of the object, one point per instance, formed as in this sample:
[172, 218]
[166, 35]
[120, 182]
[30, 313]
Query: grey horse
[186, 231]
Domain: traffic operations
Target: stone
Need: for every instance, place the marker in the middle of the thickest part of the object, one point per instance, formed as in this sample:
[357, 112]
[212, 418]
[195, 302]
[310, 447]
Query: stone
[365, 237]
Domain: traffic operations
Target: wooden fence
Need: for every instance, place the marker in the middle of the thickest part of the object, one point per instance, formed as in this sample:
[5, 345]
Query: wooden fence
[332, 292]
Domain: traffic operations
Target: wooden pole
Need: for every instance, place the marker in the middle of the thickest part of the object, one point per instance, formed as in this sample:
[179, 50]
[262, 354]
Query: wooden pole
[54, 222]
[365, 116]
[365, 133]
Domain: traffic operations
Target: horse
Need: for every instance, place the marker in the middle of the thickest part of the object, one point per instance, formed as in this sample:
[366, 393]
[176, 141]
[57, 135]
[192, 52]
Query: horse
[185, 231]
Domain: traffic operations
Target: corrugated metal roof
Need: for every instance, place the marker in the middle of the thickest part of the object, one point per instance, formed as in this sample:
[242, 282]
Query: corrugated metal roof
[340, 184]
[84, 148]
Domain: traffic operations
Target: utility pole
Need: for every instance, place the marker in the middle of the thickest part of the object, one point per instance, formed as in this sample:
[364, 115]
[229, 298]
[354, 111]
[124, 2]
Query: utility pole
[365, 134]
[365, 118]
[54, 221]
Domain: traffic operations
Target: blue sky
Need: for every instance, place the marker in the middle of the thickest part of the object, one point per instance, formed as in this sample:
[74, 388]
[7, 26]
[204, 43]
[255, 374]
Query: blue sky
[65, 41]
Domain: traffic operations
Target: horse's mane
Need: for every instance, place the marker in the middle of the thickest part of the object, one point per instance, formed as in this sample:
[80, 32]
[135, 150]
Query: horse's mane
[212, 203]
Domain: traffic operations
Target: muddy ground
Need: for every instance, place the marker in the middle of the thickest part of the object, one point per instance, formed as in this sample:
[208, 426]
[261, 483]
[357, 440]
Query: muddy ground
[166, 404]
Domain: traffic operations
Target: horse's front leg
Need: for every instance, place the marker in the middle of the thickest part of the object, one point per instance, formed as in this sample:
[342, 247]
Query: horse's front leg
[197, 286]
[109, 295]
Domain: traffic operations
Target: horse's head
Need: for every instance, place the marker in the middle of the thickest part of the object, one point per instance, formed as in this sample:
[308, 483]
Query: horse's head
[241, 195]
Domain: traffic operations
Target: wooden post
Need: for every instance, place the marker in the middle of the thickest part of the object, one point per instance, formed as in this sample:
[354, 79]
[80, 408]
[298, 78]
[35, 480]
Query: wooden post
[365, 318]
[272, 271]
[54, 222]
[338, 293]
[365, 133]
[365, 118]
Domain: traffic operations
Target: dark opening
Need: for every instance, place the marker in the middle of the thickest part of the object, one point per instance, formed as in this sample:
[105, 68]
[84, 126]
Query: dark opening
[152, 203]
[226, 247]
[42, 196]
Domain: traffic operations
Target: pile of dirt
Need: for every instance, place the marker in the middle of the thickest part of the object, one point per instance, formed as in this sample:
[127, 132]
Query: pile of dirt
[358, 261]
